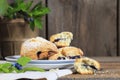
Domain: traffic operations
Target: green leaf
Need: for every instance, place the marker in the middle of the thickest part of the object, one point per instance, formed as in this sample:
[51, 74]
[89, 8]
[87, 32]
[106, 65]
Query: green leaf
[28, 5]
[32, 26]
[18, 2]
[38, 23]
[23, 60]
[33, 69]
[3, 7]
[41, 12]
[9, 68]
[5, 67]
[38, 5]
[23, 9]
[21, 6]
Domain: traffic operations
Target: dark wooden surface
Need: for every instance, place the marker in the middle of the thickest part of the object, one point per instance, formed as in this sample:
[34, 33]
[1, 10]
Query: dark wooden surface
[118, 22]
[92, 22]
[110, 70]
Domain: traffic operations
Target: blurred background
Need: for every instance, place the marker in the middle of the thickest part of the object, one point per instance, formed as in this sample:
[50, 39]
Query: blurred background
[94, 24]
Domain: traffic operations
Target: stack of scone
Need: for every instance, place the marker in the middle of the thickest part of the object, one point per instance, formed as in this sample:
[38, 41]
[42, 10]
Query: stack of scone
[59, 48]
[65, 51]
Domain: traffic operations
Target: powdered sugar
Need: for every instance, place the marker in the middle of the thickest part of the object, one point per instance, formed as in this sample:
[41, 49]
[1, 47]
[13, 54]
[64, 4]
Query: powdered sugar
[37, 44]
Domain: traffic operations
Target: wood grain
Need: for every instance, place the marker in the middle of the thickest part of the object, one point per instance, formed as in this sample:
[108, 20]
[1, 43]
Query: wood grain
[118, 27]
[108, 69]
[92, 22]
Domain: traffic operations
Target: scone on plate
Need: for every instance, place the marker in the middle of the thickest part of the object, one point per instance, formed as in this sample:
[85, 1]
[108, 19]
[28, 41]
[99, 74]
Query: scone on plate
[62, 39]
[86, 65]
[57, 56]
[71, 52]
[38, 48]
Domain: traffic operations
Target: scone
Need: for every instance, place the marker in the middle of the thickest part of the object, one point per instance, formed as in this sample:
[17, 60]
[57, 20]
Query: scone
[62, 39]
[57, 56]
[86, 65]
[38, 48]
[71, 52]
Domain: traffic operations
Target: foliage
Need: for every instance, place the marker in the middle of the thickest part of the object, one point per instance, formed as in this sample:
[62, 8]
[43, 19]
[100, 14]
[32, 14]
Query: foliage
[19, 66]
[31, 14]
[3, 7]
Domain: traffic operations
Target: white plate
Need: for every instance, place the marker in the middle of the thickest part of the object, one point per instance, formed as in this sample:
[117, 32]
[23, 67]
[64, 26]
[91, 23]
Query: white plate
[15, 57]
[45, 64]
[51, 66]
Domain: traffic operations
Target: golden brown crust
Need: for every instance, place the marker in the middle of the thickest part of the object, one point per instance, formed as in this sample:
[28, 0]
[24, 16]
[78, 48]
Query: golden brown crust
[56, 56]
[67, 53]
[71, 51]
[62, 39]
[38, 48]
[92, 62]
[83, 65]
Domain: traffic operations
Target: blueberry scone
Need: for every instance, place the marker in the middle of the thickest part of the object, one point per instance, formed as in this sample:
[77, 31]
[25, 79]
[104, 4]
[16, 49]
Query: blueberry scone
[66, 53]
[71, 52]
[38, 48]
[62, 39]
[86, 65]
[57, 56]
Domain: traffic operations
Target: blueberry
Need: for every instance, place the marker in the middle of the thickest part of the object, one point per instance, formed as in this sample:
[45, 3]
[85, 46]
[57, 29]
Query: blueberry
[31, 19]
[76, 57]
[61, 58]
[56, 40]
[18, 66]
[70, 57]
[73, 57]
[38, 53]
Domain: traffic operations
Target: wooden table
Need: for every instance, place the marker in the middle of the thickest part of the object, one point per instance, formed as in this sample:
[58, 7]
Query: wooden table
[110, 70]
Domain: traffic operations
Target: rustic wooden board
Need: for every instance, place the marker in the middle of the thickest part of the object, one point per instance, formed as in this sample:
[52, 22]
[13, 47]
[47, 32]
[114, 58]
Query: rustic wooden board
[92, 22]
[110, 70]
[107, 59]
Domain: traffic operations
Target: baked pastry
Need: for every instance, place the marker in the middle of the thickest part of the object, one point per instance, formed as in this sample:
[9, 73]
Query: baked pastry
[86, 65]
[57, 56]
[71, 52]
[62, 39]
[38, 48]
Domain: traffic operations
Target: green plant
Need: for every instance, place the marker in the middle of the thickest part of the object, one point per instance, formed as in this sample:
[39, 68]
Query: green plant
[31, 14]
[3, 7]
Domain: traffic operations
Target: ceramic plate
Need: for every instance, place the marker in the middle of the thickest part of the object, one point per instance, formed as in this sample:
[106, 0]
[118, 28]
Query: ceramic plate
[45, 64]
[51, 66]
[14, 59]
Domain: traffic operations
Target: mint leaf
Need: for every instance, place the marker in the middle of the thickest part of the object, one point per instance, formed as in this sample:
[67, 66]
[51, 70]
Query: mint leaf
[38, 23]
[5, 67]
[23, 60]
[3, 7]
[33, 69]
[32, 26]
[9, 68]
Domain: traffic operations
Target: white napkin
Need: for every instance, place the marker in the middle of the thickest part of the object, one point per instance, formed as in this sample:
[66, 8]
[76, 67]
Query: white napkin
[49, 75]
